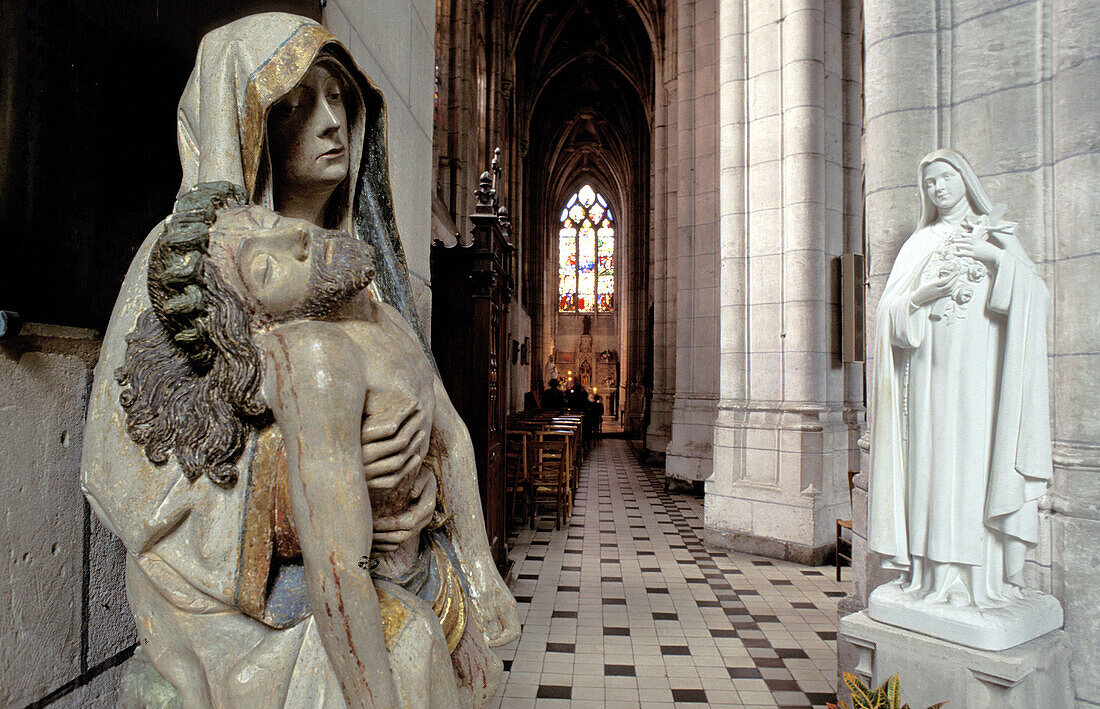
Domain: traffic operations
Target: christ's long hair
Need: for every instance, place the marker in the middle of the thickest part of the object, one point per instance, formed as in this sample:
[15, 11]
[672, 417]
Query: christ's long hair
[191, 378]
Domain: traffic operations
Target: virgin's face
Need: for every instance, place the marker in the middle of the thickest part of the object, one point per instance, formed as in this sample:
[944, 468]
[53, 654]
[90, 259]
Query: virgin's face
[308, 134]
[944, 185]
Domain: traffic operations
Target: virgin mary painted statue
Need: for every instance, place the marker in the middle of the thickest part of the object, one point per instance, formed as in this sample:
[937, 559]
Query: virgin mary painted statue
[223, 615]
[959, 416]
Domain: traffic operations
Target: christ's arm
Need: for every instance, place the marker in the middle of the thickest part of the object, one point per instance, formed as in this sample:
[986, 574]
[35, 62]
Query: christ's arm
[495, 603]
[314, 383]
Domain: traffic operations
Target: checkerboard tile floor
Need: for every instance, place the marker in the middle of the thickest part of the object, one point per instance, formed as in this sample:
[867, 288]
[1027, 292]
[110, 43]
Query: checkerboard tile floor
[624, 607]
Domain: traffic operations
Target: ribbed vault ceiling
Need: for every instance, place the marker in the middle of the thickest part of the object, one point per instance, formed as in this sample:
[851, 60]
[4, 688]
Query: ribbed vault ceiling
[586, 69]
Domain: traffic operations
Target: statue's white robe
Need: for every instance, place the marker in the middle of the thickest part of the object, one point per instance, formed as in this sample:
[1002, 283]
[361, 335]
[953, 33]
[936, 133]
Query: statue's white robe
[959, 416]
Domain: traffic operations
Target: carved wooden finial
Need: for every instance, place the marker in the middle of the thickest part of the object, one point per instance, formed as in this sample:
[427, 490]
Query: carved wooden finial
[485, 193]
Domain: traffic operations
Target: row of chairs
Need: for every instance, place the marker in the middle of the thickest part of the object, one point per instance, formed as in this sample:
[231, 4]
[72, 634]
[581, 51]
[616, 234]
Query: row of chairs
[543, 456]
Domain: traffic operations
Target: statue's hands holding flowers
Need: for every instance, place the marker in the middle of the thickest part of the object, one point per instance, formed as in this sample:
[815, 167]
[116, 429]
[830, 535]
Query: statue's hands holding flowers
[980, 250]
[977, 246]
[933, 290]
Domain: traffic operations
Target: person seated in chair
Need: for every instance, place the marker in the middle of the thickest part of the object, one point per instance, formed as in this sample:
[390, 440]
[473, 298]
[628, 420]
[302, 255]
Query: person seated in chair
[553, 399]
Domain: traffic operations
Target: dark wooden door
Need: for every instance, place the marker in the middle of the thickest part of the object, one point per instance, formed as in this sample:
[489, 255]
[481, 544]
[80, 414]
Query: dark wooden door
[496, 520]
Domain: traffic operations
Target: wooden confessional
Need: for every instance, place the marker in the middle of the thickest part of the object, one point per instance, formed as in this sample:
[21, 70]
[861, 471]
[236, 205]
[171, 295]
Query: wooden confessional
[472, 285]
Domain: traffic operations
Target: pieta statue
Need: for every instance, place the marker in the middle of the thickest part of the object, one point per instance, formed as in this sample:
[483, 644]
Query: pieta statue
[267, 433]
[959, 417]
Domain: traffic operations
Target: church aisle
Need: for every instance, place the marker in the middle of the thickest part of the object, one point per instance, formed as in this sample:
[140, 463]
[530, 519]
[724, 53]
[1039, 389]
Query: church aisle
[626, 608]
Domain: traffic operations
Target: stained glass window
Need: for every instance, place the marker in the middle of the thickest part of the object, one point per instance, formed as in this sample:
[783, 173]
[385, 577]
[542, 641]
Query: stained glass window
[586, 254]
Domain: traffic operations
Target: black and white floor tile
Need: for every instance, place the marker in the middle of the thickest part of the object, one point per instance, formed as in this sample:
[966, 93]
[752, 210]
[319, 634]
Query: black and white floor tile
[624, 607]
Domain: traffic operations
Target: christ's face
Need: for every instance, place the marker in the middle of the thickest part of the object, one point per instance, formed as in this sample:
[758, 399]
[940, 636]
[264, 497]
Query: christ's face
[289, 267]
[275, 264]
[944, 185]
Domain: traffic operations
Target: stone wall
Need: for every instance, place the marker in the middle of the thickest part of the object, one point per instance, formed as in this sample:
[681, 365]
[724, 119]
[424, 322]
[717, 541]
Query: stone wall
[67, 627]
[1013, 85]
[394, 43]
[519, 374]
[67, 630]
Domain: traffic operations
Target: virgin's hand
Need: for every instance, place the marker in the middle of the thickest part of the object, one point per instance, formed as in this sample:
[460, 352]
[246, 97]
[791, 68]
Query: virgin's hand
[392, 532]
[980, 250]
[934, 290]
[394, 443]
[496, 606]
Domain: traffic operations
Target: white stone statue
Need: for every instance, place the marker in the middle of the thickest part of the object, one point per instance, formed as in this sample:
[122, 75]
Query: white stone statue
[959, 419]
[296, 492]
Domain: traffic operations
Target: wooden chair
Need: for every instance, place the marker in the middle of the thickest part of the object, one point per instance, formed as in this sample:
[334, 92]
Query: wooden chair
[517, 477]
[527, 425]
[571, 435]
[546, 462]
[575, 423]
[585, 440]
[845, 524]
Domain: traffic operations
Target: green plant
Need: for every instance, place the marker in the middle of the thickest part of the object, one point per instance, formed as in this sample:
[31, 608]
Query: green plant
[887, 696]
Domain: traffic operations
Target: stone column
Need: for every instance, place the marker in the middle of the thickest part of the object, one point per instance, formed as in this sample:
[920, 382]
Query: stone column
[634, 296]
[1071, 184]
[689, 455]
[664, 244]
[782, 444]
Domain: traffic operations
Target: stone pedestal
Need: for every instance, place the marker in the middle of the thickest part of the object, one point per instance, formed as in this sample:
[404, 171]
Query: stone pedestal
[1035, 674]
[1033, 615]
[780, 482]
[659, 433]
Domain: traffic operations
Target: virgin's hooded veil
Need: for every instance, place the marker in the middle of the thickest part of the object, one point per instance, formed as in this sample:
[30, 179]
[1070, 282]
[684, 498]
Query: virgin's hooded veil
[241, 71]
